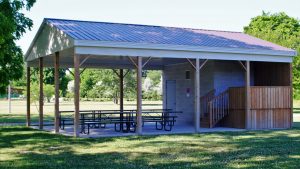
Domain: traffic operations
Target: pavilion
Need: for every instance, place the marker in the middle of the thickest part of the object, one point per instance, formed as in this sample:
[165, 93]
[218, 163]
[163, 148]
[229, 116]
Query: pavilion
[251, 79]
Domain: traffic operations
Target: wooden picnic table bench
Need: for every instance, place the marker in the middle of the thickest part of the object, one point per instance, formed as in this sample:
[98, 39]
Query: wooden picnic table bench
[166, 119]
[163, 119]
[91, 124]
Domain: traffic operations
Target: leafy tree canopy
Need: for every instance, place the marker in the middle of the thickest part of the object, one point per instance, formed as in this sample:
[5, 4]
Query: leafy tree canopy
[281, 29]
[13, 25]
[49, 78]
[105, 83]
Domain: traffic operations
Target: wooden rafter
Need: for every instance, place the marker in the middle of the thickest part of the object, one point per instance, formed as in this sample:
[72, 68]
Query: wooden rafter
[126, 72]
[133, 61]
[203, 64]
[70, 71]
[241, 63]
[84, 60]
[200, 66]
[191, 63]
[82, 70]
[73, 73]
[116, 72]
[149, 58]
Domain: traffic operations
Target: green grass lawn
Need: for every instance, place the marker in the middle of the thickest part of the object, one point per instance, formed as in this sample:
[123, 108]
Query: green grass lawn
[22, 147]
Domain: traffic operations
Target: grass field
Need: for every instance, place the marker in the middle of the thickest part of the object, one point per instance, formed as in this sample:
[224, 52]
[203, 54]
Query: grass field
[22, 147]
[19, 108]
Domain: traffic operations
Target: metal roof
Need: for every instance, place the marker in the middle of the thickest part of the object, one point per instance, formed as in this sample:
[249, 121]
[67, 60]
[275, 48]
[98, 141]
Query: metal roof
[118, 32]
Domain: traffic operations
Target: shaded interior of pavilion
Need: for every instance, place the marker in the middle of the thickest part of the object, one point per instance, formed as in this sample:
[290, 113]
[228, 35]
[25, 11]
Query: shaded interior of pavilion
[120, 64]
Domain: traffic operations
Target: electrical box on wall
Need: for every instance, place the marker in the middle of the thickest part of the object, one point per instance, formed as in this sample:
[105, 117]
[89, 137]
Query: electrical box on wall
[188, 92]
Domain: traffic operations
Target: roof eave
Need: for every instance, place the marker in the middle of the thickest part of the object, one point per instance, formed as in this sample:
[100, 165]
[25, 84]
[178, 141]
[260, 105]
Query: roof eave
[93, 43]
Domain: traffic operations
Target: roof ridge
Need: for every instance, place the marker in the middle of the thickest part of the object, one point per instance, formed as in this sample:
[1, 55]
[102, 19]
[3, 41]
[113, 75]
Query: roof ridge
[144, 25]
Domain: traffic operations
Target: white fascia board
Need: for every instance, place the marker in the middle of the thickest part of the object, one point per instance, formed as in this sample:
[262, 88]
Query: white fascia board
[90, 43]
[113, 51]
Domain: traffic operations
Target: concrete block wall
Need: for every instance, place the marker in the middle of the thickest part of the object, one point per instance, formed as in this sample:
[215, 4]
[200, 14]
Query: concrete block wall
[215, 74]
[228, 74]
[183, 103]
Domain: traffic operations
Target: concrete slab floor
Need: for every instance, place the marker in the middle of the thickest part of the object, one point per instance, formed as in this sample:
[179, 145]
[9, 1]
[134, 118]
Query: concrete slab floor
[148, 129]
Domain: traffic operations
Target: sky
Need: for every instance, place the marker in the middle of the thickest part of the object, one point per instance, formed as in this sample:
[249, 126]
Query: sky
[228, 15]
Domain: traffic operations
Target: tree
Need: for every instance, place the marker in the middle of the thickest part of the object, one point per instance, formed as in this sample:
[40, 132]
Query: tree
[281, 29]
[63, 79]
[88, 80]
[48, 92]
[105, 83]
[49, 78]
[13, 24]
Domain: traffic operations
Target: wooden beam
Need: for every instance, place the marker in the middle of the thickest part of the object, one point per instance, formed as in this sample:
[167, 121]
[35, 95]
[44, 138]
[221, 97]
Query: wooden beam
[70, 71]
[291, 99]
[247, 96]
[121, 90]
[149, 58]
[84, 60]
[56, 83]
[82, 71]
[197, 96]
[76, 95]
[133, 61]
[28, 97]
[244, 67]
[203, 64]
[115, 71]
[126, 73]
[121, 77]
[41, 99]
[194, 66]
[139, 95]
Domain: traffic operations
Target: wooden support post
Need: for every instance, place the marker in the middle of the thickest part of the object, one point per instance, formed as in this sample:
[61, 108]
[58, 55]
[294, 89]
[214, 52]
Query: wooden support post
[139, 95]
[291, 101]
[56, 83]
[121, 77]
[197, 96]
[247, 97]
[41, 99]
[76, 95]
[121, 90]
[28, 97]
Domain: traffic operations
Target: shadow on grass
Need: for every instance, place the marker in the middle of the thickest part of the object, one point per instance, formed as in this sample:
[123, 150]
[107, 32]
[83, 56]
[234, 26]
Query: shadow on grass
[253, 149]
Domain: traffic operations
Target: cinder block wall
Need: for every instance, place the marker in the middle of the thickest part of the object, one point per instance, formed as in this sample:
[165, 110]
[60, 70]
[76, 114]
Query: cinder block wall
[183, 103]
[217, 75]
[228, 74]
[186, 103]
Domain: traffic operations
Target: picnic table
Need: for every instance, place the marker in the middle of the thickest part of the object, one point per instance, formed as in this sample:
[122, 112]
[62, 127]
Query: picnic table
[163, 119]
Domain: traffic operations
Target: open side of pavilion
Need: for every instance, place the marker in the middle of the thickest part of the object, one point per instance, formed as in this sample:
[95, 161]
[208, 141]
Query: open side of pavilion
[215, 78]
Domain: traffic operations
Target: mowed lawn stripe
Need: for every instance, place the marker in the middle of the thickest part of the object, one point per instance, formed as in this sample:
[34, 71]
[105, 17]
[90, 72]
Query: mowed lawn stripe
[22, 147]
